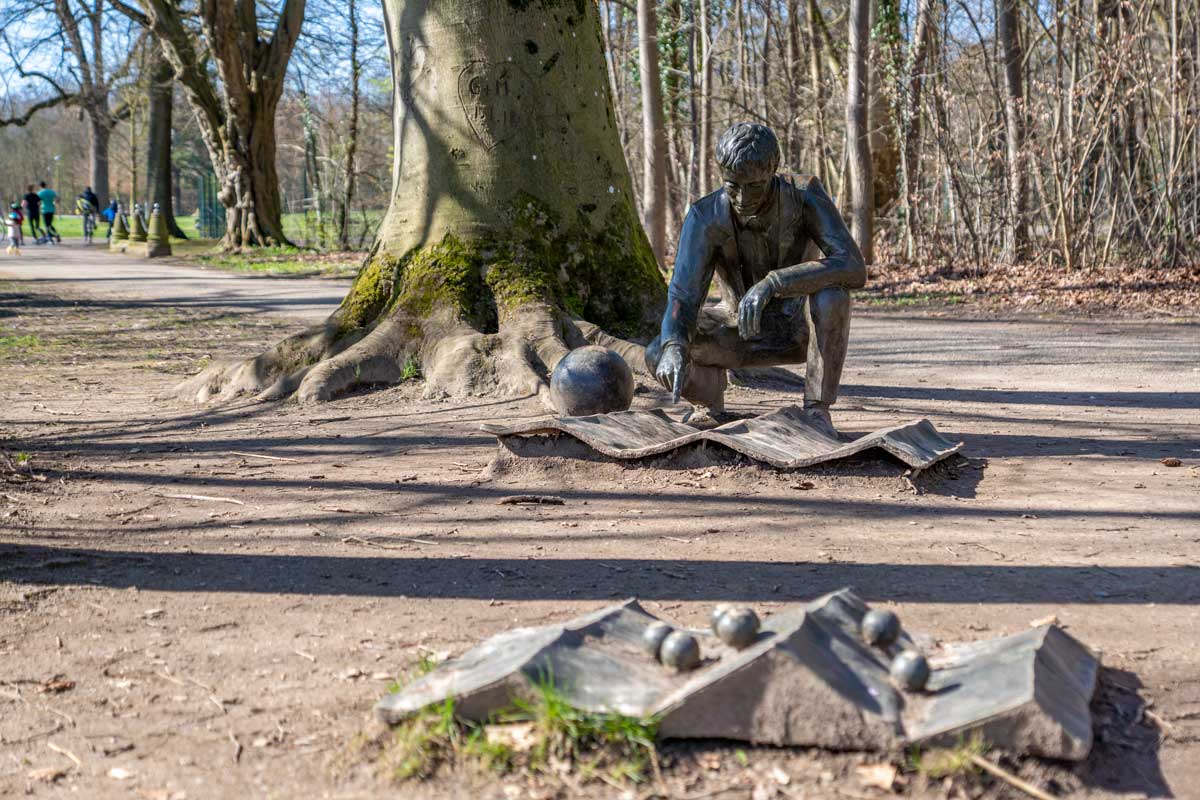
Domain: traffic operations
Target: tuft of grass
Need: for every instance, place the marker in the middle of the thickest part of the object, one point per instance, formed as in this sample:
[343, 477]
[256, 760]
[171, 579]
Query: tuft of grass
[539, 734]
[27, 342]
[22, 458]
[411, 370]
[909, 300]
[947, 762]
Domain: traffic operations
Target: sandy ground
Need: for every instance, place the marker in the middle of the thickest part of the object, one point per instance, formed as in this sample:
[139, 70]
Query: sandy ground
[233, 646]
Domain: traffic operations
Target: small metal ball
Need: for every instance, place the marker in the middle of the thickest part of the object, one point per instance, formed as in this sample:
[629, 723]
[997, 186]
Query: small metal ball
[680, 650]
[717, 612]
[880, 628]
[910, 669]
[738, 627]
[653, 637]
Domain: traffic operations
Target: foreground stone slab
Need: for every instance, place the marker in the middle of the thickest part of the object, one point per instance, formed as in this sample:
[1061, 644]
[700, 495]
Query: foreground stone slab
[808, 680]
[784, 438]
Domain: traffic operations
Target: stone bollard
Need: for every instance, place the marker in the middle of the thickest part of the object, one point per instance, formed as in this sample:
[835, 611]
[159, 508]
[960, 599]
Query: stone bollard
[120, 233]
[158, 239]
[138, 234]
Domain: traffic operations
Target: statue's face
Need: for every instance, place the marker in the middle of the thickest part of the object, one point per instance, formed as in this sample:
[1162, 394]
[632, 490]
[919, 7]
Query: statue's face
[748, 191]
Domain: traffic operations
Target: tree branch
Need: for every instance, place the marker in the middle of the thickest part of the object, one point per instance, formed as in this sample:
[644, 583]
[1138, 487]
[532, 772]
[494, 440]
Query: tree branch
[23, 119]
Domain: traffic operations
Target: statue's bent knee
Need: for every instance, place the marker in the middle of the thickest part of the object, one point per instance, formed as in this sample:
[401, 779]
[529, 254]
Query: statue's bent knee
[830, 305]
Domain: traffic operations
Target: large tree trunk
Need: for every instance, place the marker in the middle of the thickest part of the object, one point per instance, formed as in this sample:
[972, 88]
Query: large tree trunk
[858, 147]
[1014, 117]
[511, 221]
[654, 140]
[349, 165]
[100, 126]
[159, 174]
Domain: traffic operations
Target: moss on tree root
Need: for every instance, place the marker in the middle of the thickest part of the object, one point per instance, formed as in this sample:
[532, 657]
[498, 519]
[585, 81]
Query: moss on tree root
[602, 271]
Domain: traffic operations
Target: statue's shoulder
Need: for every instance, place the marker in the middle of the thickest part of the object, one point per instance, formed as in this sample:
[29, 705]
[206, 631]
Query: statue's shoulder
[711, 212]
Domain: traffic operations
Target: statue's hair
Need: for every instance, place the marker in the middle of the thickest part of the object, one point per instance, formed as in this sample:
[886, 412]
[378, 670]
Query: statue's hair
[748, 145]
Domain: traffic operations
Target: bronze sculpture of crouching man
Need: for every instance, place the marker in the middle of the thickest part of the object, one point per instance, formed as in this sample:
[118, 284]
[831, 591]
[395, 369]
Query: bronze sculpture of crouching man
[751, 236]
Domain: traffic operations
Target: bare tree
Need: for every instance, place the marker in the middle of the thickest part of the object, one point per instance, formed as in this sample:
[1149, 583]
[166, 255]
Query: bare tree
[858, 147]
[1008, 32]
[654, 140]
[98, 56]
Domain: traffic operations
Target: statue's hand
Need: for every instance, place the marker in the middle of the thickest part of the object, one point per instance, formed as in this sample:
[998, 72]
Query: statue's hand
[750, 310]
[672, 370]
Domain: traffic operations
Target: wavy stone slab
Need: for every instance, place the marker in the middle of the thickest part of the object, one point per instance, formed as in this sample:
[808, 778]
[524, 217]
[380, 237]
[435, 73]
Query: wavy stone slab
[809, 680]
[782, 438]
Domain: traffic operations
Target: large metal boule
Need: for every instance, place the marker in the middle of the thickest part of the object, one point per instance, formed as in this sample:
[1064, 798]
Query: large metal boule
[680, 651]
[880, 627]
[910, 670]
[738, 627]
[653, 636]
[591, 380]
[717, 612]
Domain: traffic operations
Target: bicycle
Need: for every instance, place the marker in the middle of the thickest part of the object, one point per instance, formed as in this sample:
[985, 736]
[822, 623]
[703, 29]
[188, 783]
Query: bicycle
[88, 214]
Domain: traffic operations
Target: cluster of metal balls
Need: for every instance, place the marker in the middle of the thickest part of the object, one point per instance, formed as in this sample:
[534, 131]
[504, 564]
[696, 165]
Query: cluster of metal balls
[680, 650]
[909, 668]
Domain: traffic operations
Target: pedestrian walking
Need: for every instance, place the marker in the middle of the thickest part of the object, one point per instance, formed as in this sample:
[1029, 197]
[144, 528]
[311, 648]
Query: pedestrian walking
[33, 212]
[47, 196]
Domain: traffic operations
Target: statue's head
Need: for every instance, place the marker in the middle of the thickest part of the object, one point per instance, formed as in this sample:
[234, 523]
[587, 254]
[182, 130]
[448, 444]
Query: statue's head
[748, 155]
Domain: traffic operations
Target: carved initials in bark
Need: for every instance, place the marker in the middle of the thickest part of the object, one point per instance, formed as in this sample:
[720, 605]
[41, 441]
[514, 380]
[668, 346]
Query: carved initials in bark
[493, 97]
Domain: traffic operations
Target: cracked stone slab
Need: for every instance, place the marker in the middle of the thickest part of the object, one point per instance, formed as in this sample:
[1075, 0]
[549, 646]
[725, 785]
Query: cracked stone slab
[783, 438]
[807, 680]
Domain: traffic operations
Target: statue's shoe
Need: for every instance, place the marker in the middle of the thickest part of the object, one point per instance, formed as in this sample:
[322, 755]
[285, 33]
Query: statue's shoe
[818, 417]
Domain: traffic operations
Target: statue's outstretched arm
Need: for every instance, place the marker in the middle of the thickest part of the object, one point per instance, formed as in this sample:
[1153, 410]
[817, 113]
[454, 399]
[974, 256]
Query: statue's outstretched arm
[695, 261]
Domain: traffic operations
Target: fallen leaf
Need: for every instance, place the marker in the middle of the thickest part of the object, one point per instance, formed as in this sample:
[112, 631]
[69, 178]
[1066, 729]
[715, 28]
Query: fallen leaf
[805, 485]
[1172, 462]
[879, 776]
[153, 613]
[120, 774]
[1051, 619]
[56, 685]
[780, 777]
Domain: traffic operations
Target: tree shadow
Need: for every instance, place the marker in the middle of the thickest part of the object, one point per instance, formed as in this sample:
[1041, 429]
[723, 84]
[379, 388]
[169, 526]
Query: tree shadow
[388, 573]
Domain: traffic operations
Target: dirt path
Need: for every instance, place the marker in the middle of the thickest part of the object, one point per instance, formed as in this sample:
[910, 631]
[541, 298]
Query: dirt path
[233, 646]
[170, 284]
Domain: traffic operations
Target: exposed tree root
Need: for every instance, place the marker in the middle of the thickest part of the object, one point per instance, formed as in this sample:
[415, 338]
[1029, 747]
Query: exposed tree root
[456, 359]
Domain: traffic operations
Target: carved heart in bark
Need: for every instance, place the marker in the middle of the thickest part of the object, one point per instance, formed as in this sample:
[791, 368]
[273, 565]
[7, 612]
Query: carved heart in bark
[496, 101]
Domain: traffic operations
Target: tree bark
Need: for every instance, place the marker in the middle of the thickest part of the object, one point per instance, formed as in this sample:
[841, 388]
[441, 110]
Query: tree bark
[512, 216]
[858, 147]
[910, 133]
[654, 140]
[349, 165]
[1007, 32]
[159, 173]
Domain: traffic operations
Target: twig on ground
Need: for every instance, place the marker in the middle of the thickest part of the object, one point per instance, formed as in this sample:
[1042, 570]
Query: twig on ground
[1012, 780]
[203, 497]
[368, 543]
[132, 511]
[42, 407]
[305, 655]
[268, 458]
[531, 499]
[64, 751]
[237, 748]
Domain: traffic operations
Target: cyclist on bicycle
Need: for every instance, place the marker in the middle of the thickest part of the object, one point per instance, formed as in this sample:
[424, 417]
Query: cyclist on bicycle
[88, 205]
